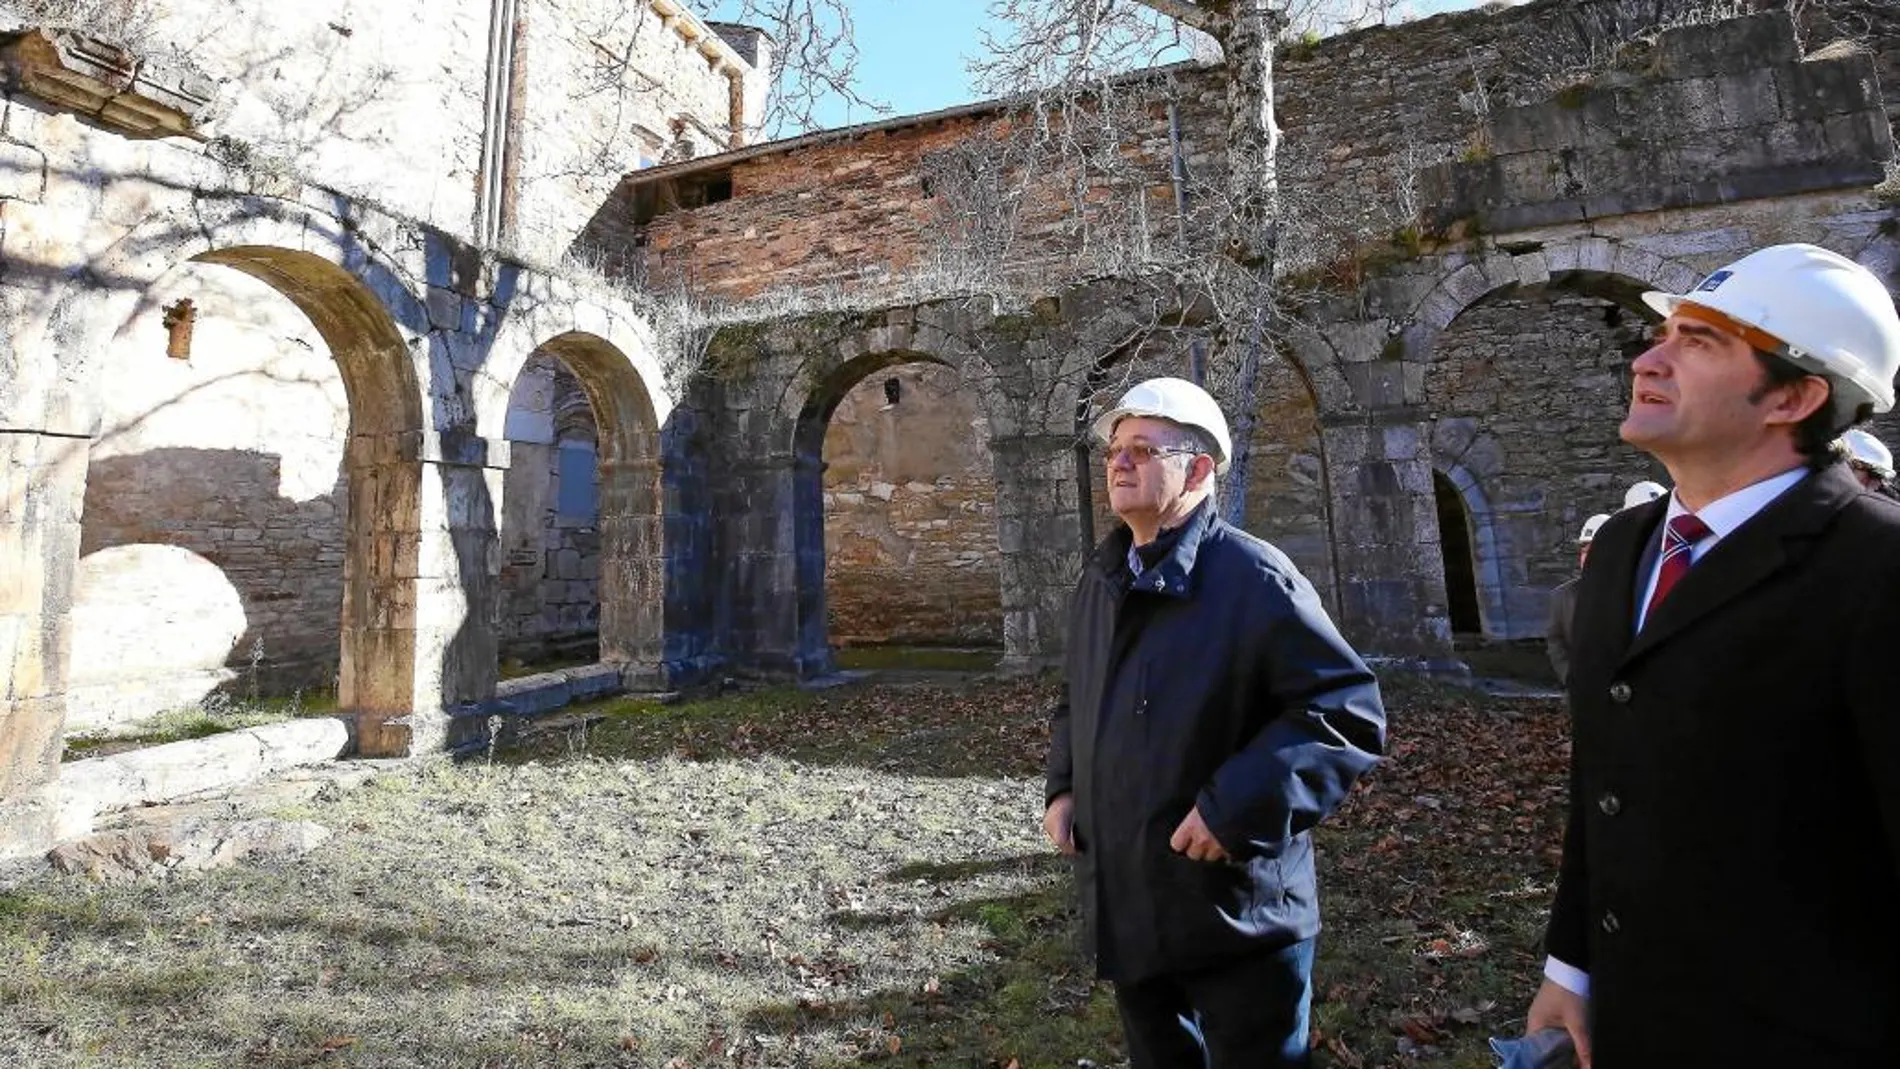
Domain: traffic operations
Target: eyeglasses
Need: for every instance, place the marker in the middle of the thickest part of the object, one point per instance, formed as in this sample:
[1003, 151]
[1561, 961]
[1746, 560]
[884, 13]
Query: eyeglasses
[1142, 452]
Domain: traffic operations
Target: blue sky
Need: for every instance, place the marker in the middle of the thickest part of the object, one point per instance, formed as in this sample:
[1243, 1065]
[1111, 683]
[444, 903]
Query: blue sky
[912, 52]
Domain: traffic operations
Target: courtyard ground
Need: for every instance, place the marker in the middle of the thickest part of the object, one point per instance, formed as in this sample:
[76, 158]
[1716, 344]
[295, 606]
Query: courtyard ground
[776, 878]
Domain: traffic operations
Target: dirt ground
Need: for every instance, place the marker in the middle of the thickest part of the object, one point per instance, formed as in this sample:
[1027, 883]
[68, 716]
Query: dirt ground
[779, 878]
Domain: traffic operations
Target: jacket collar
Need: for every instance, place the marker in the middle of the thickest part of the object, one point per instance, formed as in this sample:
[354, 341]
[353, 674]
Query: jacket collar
[1764, 544]
[1169, 576]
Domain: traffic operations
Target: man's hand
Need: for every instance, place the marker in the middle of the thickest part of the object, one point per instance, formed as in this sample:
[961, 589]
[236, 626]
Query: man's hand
[1193, 839]
[1058, 822]
[1558, 1007]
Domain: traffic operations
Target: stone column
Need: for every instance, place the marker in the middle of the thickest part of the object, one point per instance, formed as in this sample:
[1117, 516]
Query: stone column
[421, 585]
[1039, 532]
[1392, 588]
[770, 549]
[632, 564]
[42, 489]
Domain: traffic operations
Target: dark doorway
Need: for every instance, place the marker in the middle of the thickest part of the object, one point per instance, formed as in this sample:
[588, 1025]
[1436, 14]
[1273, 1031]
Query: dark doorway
[1454, 541]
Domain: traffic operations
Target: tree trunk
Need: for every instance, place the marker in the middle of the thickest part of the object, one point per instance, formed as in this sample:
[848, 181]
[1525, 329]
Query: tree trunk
[1246, 38]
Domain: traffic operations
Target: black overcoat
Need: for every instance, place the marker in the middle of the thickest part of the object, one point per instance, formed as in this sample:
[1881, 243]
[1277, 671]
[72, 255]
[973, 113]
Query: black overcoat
[1214, 679]
[1731, 866]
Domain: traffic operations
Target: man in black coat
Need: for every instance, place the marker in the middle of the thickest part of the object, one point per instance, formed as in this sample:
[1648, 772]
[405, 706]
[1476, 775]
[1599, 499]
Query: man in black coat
[1730, 887]
[1213, 715]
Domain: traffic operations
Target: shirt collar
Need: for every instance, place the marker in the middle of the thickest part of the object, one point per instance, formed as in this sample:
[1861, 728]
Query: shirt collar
[1725, 514]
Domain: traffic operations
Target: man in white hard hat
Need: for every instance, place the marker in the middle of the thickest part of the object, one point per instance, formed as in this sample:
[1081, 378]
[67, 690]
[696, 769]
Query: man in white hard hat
[1870, 460]
[1731, 865]
[1563, 604]
[1643, 493]
[1212, 716]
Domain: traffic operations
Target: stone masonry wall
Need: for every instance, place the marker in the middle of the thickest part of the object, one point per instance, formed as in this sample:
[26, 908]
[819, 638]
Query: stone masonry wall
[386, 101]
[910, 516]
[214, 515]
[607, 88]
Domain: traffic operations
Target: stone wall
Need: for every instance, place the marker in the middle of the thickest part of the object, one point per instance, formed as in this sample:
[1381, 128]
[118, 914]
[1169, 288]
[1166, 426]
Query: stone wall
[910, 515]
[550, 554]
[389, 102]
[606, 88]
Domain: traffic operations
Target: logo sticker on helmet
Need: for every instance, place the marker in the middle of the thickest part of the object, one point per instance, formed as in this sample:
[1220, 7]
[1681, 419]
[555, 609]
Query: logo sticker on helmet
[1713, 281]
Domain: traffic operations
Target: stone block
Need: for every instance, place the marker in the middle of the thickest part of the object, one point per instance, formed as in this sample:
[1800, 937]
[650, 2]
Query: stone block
[1728, 46]
[22, 173]
[1821, 88]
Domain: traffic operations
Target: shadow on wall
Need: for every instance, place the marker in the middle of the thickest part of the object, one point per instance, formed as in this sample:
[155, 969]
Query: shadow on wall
[280, 561]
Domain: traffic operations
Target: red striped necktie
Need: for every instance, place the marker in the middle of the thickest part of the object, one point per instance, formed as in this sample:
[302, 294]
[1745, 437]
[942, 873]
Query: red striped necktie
[1679, 541]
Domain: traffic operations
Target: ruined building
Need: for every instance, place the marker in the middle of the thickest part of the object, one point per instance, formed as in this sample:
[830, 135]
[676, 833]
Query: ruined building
[360, 349]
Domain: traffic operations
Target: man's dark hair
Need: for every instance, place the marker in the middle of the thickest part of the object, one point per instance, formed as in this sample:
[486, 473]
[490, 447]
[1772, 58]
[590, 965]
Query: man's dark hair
[1814, 436]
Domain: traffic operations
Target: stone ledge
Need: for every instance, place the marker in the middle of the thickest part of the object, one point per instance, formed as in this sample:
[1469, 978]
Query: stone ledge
[106, 83]
[97, 785]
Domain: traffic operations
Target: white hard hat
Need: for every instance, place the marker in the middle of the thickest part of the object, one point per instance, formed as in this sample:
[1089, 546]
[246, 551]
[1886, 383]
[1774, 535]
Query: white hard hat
[1819, 310]
[1590, 527]
[1177, 401]
[1869, 451]
[1643, 493]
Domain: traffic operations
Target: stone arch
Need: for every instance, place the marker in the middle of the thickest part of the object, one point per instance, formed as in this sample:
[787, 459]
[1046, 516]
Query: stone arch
[386, 670]
[631, 544]
[1489, 548]
[1611, 266]
[813, 654]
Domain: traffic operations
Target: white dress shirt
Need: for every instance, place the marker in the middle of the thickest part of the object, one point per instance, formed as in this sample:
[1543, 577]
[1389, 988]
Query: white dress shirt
[1722, 516]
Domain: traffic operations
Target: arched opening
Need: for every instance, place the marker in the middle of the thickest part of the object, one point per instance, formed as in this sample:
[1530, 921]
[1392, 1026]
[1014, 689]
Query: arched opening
[549, 598]
[581, 542]
[1455, 549]
[1526, 389]
[251, 518]
[895, 519]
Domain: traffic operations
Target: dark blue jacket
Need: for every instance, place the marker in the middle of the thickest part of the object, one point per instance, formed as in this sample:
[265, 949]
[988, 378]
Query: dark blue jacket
[1215, 679]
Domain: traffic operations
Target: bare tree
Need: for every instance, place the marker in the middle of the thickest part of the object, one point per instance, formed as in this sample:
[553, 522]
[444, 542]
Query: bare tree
[1064, 50]
[815, 58]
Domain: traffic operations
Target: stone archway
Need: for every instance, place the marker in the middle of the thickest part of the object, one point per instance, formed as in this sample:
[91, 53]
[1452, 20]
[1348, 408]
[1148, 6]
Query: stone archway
[384, 674]
[814, 652]
[632, 561]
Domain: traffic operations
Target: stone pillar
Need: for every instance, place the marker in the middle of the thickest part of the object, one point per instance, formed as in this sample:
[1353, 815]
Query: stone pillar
[632, 563]
[1392, 587]
[421, 587]
[770, 549]
[1039, 532]
[42, 489]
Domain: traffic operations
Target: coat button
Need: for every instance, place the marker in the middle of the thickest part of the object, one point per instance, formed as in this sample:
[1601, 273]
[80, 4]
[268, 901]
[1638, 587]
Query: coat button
[1160, 582]
[1620, 693]
[1610, 923]
[1610, 804]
